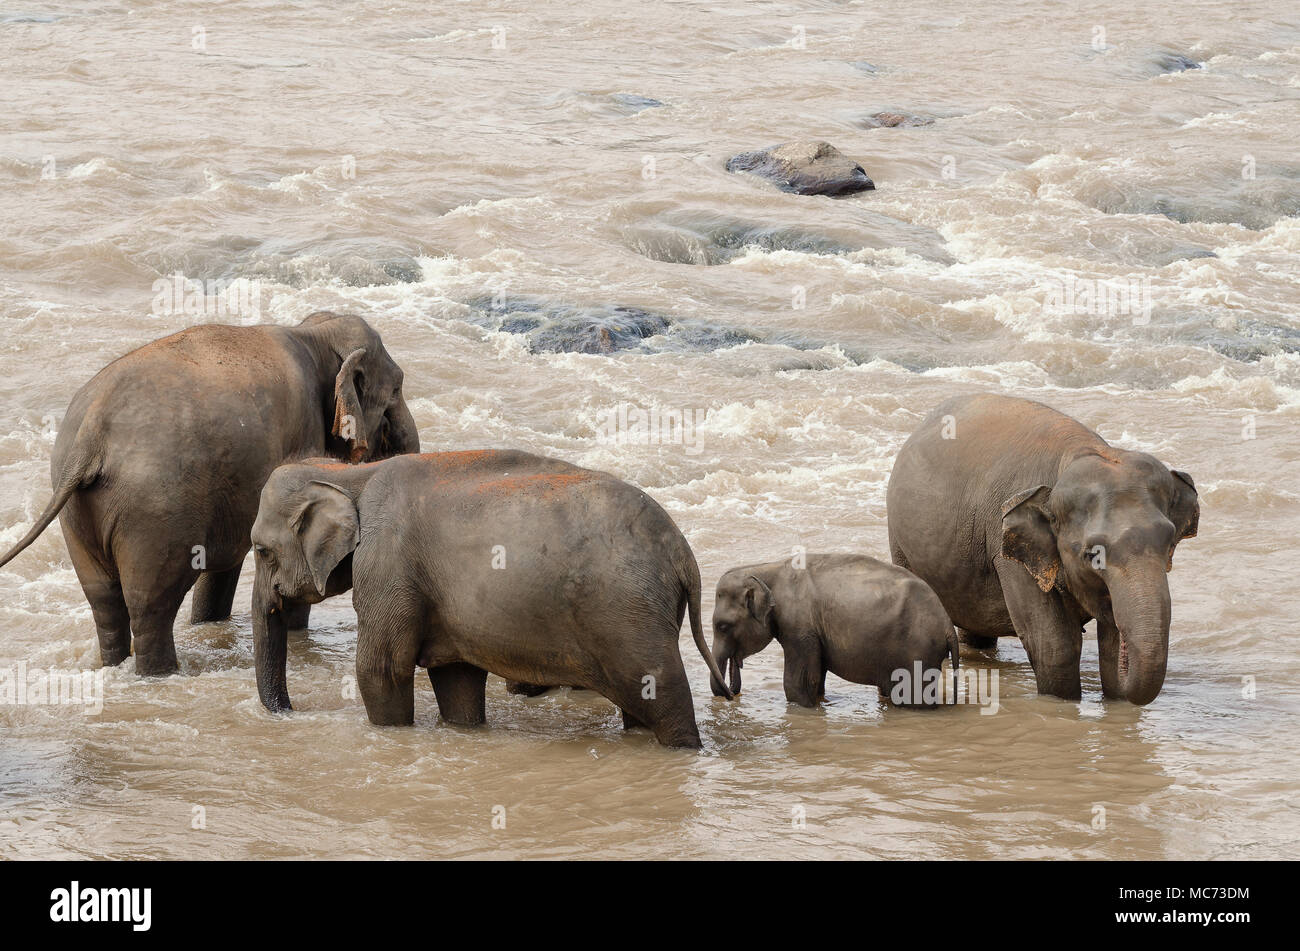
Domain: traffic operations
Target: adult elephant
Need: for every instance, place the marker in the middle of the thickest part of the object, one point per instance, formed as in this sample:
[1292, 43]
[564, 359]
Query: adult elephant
[1026, 522]
[161, 456]
[469, 563]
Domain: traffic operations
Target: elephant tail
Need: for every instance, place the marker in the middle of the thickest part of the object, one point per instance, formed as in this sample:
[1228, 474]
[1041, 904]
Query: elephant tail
[691, 582]
[78, 473]
[954, 649]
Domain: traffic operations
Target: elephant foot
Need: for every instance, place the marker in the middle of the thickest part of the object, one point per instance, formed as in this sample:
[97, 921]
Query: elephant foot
[678, 736]
[977, 641]
[156, 667]
[630, 722]
[1062, 691]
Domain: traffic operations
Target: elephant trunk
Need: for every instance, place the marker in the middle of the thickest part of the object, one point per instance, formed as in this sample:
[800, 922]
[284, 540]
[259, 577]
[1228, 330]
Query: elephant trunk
[722, 655]
[400, 434]
[1140, 600]
[270, 646]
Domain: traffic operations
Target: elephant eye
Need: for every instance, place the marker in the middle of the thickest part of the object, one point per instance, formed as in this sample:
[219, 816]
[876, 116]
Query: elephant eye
[723, 627]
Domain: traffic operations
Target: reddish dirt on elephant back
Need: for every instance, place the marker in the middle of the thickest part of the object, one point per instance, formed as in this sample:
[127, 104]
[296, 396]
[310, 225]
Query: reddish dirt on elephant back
[459, 466]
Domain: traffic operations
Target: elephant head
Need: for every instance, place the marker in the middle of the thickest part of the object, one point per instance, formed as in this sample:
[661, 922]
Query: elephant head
[365, 412]
[306, 530]
[743, 624]
[1105, 534]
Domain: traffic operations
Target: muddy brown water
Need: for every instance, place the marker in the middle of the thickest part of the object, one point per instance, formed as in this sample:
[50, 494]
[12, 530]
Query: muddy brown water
[491, 207]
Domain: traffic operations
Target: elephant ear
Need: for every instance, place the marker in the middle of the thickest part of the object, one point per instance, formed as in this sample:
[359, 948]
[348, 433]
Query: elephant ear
[1184, 511]
[1028, 536]
[327, 527]
[349, 417]
[758, 599]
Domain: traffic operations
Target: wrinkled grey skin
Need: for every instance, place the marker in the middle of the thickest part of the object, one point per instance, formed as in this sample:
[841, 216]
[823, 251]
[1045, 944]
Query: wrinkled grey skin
[167, 448]
[1006, 520]
[467, 563]
[856, 617]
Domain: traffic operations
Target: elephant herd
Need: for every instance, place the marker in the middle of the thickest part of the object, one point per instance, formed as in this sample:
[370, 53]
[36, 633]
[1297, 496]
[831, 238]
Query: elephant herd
[1005, 518]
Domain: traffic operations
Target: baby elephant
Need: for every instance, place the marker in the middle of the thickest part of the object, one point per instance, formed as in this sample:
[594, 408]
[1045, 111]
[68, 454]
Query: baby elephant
[467, 563]
[859, 618]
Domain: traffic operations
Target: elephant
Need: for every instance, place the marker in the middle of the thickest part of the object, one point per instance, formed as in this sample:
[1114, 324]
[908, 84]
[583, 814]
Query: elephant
[1025, 522]
[466, 563]
[161, 456]
[861, 619]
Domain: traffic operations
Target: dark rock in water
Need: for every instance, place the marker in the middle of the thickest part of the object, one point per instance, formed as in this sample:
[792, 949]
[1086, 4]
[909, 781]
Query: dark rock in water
[556, 327]
[1251, 341]
[703, 236]
[355, 262]
[1175, 63]
[634, 103]
[805, 168]
[403, 270]
[1182, 254]
[567, 328]
[717, 242]
[895, 120]
[1200, 197]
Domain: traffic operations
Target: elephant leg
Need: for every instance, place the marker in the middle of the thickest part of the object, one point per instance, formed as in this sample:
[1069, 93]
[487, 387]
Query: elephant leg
[214, 595]
[386, 653]
[107, 605]
[663, 705]
[821, 687]
[630, 722]
[296, 615]
[461, 693]
[805, 677]
[1108, 655]
[151, 624]
[155, 580]
[978, 641]
[1051, 633]
[526, 690]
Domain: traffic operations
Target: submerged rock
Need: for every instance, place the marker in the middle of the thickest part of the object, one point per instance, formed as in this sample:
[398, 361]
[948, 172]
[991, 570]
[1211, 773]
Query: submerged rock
[554, 327]
[1182, 254]
[895, 120]
[634, 103]
[1175, 63]
[551, 326]
[1250, 341]
[805, 168]
[702, 236]
[355, 262]
[714, 240]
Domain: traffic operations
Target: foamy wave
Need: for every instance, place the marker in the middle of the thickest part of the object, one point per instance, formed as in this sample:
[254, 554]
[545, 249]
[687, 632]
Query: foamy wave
[1021, 374]
[92, 169]
[450, 37]
[1255, 392]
